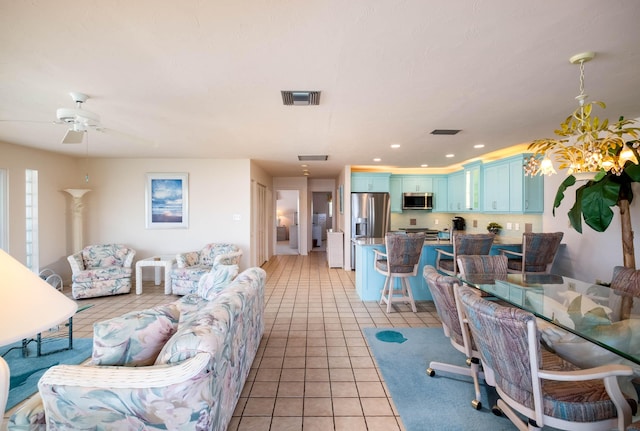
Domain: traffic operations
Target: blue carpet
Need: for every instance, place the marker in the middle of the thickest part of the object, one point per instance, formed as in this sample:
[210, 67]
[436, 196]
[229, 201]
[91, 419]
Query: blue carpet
[26, 371]
[439, 403]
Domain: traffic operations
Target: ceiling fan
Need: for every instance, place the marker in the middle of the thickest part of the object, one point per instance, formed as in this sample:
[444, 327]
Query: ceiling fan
[79, 120]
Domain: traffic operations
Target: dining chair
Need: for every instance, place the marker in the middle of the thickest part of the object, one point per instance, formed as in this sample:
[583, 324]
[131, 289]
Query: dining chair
[399, 262]
[482, 264]
[538, 253]
[463, 244]
[536, 383]
[442, 291]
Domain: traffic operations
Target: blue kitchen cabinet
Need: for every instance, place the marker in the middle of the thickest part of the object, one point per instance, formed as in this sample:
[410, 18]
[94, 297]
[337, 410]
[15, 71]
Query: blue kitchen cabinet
[417, 183]
[370, 182]
[395, 190]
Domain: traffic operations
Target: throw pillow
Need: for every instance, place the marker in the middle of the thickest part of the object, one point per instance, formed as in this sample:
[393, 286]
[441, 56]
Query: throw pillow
[135, 338]
[211, 284]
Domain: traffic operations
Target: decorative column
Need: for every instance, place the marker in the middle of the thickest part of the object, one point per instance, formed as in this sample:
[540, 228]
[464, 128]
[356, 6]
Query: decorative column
[76, 211]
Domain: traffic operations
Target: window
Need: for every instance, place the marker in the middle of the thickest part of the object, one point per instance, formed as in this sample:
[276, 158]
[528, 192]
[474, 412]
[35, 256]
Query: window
[31, 219]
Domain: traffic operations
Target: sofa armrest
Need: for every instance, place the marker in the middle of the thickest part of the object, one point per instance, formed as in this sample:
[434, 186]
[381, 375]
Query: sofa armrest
[232, 258]
[128, 261]
[76, 262]
[156, 397]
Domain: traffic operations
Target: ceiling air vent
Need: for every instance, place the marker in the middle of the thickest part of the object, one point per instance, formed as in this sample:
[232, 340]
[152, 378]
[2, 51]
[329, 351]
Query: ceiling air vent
[317, 158]
[445, 132]
[300, 97]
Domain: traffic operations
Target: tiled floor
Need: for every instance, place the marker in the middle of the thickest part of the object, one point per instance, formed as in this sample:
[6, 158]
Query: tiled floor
[314, 370]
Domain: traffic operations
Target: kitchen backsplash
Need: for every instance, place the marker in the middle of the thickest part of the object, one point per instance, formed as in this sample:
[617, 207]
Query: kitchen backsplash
[475, 222]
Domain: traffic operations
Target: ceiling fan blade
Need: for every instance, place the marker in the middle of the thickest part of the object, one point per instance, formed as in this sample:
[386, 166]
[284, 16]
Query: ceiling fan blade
[128, 137]
[73, 137]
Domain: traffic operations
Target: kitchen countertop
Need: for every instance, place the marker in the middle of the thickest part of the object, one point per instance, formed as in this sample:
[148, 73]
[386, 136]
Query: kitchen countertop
[380, 241]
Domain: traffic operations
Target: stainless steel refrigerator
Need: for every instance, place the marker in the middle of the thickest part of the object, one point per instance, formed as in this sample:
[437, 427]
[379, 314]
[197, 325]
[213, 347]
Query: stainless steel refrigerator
[370, 218]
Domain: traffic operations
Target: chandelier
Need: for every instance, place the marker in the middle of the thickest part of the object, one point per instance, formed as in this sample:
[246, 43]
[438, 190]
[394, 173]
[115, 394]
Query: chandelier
[587, 144]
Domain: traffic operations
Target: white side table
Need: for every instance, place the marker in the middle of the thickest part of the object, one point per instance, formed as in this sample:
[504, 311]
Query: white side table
[157, 262]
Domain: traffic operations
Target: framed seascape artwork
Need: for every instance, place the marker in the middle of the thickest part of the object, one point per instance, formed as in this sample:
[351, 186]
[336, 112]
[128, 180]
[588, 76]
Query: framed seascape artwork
[341, 199]
[167, 201]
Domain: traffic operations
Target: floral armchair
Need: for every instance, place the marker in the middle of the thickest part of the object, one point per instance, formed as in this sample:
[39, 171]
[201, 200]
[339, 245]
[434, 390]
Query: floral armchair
[191, 266]
[178, 366]
[101, 270]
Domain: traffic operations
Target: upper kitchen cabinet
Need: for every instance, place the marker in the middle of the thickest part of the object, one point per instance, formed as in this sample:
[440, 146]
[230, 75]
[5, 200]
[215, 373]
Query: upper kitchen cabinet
[395, 190]
[370, 182]
[464, 189]
[526, 193]
[496, 187]
[440, 194]
[417, 184]
[456, 191]
[508, 190]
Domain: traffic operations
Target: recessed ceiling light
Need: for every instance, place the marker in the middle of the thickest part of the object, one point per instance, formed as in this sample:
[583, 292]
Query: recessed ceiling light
[478, 146]
[395, 145]
[304, 166]
[445, 132]
[450, 155]
[377, 159]
[424, 165]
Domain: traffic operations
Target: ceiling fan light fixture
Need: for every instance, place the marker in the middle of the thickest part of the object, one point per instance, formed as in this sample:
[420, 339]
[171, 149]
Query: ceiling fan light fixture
[73, 137]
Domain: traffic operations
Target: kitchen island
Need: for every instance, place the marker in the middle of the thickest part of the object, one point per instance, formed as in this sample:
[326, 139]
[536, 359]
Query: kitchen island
[369, 282]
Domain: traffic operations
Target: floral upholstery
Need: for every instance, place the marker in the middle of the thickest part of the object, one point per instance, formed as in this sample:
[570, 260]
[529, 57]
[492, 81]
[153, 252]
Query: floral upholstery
[191, 266]
[145, 333]
[502, 332]
[101, 270]
[195, 380]
[211, 284]
[463, 244]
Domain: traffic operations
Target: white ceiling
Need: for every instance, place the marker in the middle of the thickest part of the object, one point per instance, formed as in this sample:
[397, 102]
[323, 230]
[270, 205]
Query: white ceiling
[202, 79]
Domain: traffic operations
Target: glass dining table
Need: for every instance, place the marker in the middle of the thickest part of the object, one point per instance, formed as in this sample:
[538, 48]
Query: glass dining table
[596, 313]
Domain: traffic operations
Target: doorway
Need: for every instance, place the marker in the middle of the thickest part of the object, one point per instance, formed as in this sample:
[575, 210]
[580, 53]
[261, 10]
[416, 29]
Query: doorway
[287, 222]
[321, 219]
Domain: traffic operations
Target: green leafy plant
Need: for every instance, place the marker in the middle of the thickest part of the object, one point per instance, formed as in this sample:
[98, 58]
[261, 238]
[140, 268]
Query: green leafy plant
[494, 227]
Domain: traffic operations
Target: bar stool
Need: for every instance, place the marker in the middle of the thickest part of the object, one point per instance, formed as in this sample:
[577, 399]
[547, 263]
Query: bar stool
[401, 260]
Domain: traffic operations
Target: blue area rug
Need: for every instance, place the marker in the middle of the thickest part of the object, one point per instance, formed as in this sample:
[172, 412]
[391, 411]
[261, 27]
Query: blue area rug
[26, 371]
[439, 403]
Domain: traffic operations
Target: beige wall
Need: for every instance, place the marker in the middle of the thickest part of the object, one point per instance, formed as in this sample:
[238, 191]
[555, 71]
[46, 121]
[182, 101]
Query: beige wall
[115, 207]
[218, 191]
[55, 173]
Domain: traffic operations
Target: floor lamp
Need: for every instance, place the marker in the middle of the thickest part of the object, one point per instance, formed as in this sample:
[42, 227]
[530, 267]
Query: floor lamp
[28, 305]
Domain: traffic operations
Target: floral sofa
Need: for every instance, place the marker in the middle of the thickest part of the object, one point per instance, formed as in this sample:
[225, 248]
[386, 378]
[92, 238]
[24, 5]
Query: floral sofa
[180, 366]
[191, 266]
[101, 270]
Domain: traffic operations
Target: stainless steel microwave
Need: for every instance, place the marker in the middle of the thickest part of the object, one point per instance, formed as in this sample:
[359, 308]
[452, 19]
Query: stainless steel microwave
[417, 201]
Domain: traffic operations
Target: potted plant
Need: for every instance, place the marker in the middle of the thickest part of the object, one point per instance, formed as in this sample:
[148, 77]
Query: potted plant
[494, 227]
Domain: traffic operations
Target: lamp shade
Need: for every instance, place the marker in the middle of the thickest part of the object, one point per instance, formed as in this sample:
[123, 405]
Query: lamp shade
[28, 304]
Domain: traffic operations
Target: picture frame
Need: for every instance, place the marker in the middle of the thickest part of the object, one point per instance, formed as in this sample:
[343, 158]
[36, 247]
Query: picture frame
[341, 198]
[167, 201]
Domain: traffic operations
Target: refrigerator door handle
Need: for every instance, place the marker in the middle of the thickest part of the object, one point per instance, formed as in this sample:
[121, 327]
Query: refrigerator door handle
[372, 216]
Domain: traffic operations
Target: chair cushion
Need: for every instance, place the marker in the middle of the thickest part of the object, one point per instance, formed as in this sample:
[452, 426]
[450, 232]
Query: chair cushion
[105, 273]
[516, 265]
[135, 338]
[98, 256]
[203, 330]
[211, 284]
